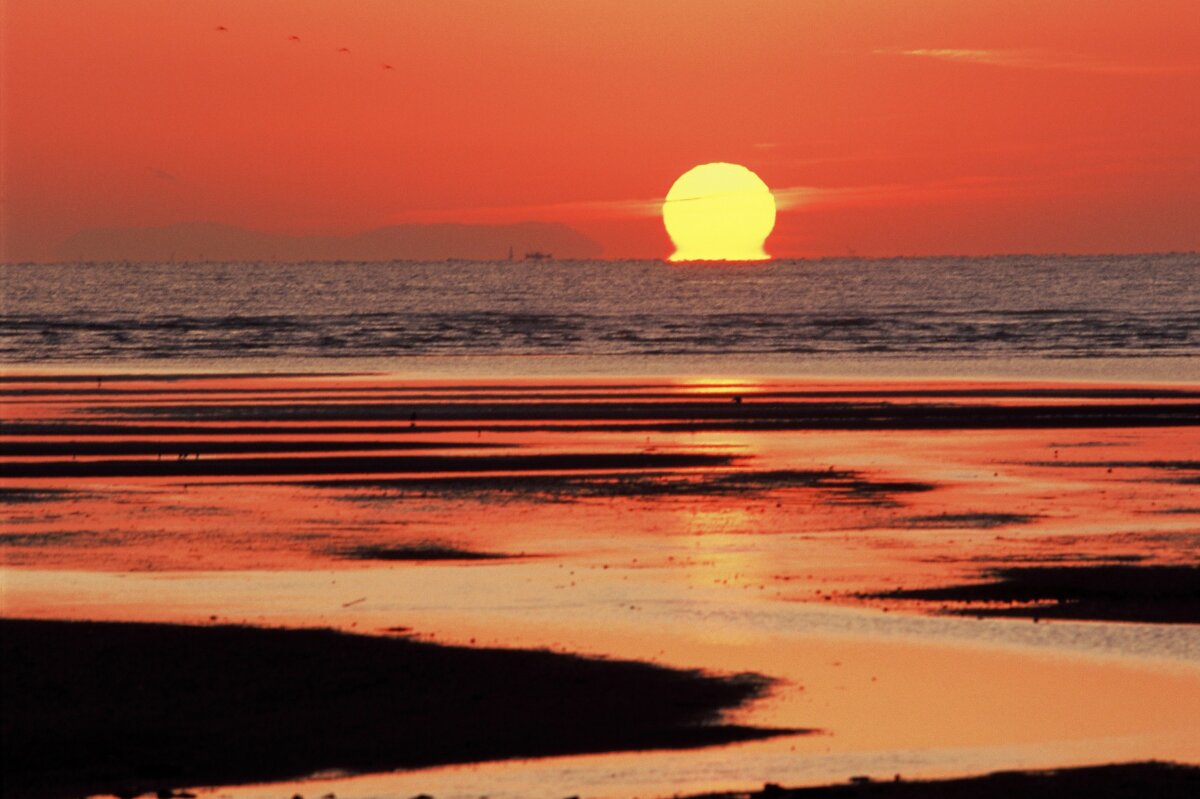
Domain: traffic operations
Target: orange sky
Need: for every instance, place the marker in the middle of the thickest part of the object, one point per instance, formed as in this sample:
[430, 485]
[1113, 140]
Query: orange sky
[886, 127]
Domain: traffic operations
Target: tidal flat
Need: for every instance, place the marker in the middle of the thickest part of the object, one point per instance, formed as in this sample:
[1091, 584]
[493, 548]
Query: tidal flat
[807, 532]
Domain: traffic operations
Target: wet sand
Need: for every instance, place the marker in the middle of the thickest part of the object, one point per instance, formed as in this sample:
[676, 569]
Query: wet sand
[1152, 594]
[639, 414]
[1126, 781]
[132, 708]
[191, 466]
[698, 524]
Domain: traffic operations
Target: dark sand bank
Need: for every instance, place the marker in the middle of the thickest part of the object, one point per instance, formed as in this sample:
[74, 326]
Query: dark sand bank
[634, 415]
[1153, 594]
[174, 448]
[840, 485]
[348, 464]
[418, 552]
[1121, 781]
[770, 414]
[143, 431]
[128, 708]
[978, 521]
[1170, 466]
[1181, 472]
[54, 538]
[29, 496]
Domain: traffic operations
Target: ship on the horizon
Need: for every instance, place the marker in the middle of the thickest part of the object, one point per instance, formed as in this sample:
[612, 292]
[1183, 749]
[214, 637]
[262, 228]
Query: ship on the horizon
[537, 255]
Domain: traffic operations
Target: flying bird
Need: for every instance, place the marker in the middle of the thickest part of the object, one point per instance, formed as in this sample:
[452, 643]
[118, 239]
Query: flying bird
[343, 49]
[388, 66]
[222, 28]
[293, 38]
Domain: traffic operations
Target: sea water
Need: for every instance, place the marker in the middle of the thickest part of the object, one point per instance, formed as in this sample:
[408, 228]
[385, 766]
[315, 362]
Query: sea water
[1100, 317]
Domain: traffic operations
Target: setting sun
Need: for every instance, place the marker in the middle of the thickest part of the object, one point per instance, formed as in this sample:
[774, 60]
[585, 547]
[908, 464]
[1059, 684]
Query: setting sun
[719, 212]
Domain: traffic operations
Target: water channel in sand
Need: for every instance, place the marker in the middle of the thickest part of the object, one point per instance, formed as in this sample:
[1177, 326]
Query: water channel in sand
[892, 693]
[763, 579]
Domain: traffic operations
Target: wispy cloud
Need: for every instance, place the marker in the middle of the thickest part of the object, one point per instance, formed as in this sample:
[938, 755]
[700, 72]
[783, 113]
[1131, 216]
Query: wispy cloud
[811, 198]
[1039, 59]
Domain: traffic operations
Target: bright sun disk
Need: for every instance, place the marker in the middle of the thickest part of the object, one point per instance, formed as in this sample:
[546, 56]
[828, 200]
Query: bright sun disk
[719, 212]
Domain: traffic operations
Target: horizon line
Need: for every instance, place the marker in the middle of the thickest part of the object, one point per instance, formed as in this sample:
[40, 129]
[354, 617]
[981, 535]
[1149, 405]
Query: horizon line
[665, 259]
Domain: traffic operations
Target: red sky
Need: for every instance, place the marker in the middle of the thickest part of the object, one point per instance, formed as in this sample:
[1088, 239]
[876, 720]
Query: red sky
[886, 127]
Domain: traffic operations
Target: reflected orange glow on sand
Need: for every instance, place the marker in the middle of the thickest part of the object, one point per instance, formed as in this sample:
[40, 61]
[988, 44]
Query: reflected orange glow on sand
[930, 687]
[756, 563]
[718, 385]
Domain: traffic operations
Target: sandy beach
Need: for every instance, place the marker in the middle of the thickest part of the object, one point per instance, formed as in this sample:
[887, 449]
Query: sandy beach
[874, 552]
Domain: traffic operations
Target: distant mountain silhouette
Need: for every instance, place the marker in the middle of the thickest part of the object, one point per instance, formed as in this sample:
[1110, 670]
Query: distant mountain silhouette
[194, 241]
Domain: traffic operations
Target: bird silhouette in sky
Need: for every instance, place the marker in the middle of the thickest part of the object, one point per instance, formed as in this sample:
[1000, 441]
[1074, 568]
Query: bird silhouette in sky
[296, 38]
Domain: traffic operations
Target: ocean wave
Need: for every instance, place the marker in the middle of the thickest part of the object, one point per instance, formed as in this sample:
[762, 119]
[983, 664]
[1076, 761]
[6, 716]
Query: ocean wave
[1137, 306]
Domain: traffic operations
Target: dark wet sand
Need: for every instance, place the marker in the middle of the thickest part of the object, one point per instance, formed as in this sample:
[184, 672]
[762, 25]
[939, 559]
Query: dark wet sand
[1151, 594]
[135, 707]
[353, 464]
[525, 415]
[127, 708]
[418, 552]
[856, 414]
[156, 377]
[847, 486]
[1121, 781]
[174, 448]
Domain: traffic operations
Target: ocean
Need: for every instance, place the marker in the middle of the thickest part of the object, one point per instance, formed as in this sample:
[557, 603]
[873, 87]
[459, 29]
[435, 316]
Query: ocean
[1113, 316]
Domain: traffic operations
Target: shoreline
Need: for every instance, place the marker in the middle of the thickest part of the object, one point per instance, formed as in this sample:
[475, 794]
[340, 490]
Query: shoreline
[1158, 370]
